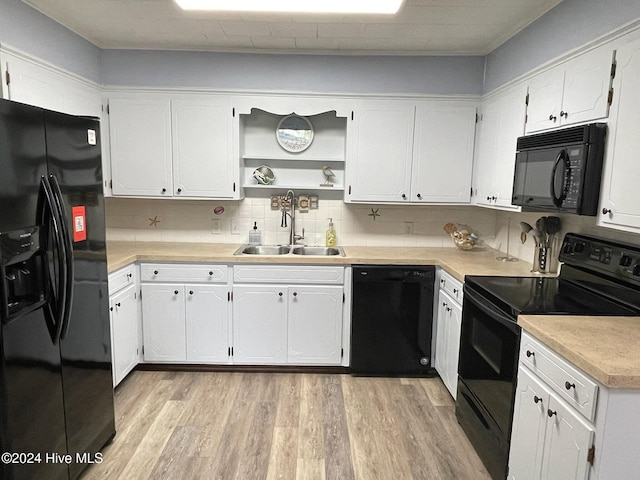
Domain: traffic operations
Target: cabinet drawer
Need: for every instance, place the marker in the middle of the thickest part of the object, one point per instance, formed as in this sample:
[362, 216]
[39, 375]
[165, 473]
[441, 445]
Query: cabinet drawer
[452, 286]
[288, 274]
[572, 385]
[167, 272]
[122, 278]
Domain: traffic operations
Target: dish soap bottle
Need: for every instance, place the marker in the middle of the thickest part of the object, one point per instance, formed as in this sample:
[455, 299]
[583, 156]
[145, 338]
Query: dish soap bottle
[331, 235]
[255, 238]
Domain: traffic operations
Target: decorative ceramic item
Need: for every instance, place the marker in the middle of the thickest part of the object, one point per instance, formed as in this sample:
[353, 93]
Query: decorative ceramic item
[328, 173]
[264, 175]
[294, 133]
[463, 236]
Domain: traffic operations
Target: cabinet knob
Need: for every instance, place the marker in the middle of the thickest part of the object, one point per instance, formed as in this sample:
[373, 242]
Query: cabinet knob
[175, 291]
[448, 309]
[564, 114]
[164, 190]
[536, 399]
[129, 275]
[606, 211]
[279, 294]
[444, 304]
[551, 413]
[404, 195]
[118, 304]
[553, 118]
[419, 196]
[155, 272]
[210, 273]
[190, 292]
[179, 190]
[488, 199]
[295, 294]
[455, 290]
[569, 386]
[111, 309]
[530, 353]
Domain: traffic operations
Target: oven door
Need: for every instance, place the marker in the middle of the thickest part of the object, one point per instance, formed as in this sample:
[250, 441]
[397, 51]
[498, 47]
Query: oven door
[489, 345]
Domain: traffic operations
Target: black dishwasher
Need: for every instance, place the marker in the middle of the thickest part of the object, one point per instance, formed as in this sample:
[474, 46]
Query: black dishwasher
[392, 320]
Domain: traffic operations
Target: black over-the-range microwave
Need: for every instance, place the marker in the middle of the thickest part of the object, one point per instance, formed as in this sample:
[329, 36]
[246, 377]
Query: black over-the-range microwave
[560, 170]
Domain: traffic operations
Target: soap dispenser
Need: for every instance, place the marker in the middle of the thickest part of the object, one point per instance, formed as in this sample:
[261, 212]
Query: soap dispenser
[255, 238]
[331, 235]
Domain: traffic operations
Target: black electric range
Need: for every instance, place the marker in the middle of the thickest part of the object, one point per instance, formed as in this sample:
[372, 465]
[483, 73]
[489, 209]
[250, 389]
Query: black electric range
[597, 277]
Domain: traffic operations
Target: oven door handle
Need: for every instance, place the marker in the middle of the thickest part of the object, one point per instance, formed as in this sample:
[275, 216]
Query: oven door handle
[486, 306]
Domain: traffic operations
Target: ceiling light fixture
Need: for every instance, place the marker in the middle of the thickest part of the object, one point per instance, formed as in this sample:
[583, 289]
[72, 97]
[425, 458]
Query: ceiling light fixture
[388, 7]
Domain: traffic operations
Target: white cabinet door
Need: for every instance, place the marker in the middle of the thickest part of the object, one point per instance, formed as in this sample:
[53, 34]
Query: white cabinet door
[124, 332]
[315, 325]
[619, 200]
[163, 322]
[443, 152]
[260, 324]
[207, 323]
[449, 323]
[140, 135]
[574, 92]
[202, 147]
[501, 122]
[529, 427]
[567, 442]
[380, 151]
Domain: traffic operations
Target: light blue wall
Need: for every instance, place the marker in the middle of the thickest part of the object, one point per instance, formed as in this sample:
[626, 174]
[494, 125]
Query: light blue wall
[569, 25]
[28, 30]
[308, 73]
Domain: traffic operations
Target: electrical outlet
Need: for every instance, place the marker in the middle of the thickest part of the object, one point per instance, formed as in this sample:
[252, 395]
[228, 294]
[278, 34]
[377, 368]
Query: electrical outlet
[235, 229]
[408, 228]
[215, 226]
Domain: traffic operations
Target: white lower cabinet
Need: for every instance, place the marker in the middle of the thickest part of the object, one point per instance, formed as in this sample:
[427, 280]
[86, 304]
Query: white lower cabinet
[549, 439]
[300, 322]
[568, 426]
[125, 322]
[448, 325]
[185, 322]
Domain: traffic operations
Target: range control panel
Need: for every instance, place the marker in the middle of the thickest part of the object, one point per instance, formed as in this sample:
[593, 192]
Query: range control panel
[617, 259]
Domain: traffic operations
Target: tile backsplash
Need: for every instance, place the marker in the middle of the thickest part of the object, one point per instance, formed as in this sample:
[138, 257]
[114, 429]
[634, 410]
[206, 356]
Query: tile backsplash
[355, 224]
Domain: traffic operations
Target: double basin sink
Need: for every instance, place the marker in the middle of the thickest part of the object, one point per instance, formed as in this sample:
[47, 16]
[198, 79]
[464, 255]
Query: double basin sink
[285, 250]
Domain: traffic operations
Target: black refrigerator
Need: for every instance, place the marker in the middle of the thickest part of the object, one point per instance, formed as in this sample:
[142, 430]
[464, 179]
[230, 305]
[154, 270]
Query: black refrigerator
[56, 391]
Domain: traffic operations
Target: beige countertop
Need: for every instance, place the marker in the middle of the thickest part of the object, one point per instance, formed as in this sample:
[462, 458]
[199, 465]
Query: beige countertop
[481, 261]
[606, 348]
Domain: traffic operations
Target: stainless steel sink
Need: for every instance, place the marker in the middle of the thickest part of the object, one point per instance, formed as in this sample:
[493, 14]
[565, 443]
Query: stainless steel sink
[285, 249]
[263, 250]
[318, 251]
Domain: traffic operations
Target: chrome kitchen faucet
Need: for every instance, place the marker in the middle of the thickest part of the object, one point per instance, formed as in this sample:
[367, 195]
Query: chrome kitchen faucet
[293, 237]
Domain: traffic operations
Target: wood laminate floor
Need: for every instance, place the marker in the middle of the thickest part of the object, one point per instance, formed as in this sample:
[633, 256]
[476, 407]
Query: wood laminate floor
[254, 426]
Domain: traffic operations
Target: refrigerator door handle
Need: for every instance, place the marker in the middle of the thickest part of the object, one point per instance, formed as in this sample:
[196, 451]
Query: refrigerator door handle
[48, 214]
[68, 256]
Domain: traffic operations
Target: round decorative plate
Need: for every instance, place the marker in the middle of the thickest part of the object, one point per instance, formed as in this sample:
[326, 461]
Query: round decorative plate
[294, 133]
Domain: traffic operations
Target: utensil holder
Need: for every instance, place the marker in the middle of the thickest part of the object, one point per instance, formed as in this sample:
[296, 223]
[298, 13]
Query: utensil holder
[545, 258]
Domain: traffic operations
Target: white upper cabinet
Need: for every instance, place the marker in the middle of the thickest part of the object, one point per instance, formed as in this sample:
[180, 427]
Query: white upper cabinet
[619, 200]
[140, 135]
[501, 122]
[574, 92]
[443, 152]
[380, 143]
[202, 147]
[401, 151]
[177, 146]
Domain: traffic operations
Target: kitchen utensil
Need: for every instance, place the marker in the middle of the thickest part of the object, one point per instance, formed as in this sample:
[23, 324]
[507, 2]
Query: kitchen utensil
[541, 226]
[537, 236]
[553, 225]
[526, 228]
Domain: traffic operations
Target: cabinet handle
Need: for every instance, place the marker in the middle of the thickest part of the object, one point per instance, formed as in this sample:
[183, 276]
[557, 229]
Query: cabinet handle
[536, 399]
[190, 292]
[175, 291]
[118, 304]
[444, 304]
[295, 294]
[605, 211]
[419, 196]
[404, 195]
[569, 386]
[455, 290]
[279, 294]
[129, 275]
[442, 281]
[448, 309]
[488, 199]
[530, 353]
[551, 413]
[210, 273]
[179, 190]
[553, 118]
[111, 309]
[564, 114]
[164, 190]
[155, 272]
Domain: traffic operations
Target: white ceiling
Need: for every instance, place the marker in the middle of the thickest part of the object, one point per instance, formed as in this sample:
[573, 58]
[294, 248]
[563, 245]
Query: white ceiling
[421, 27]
